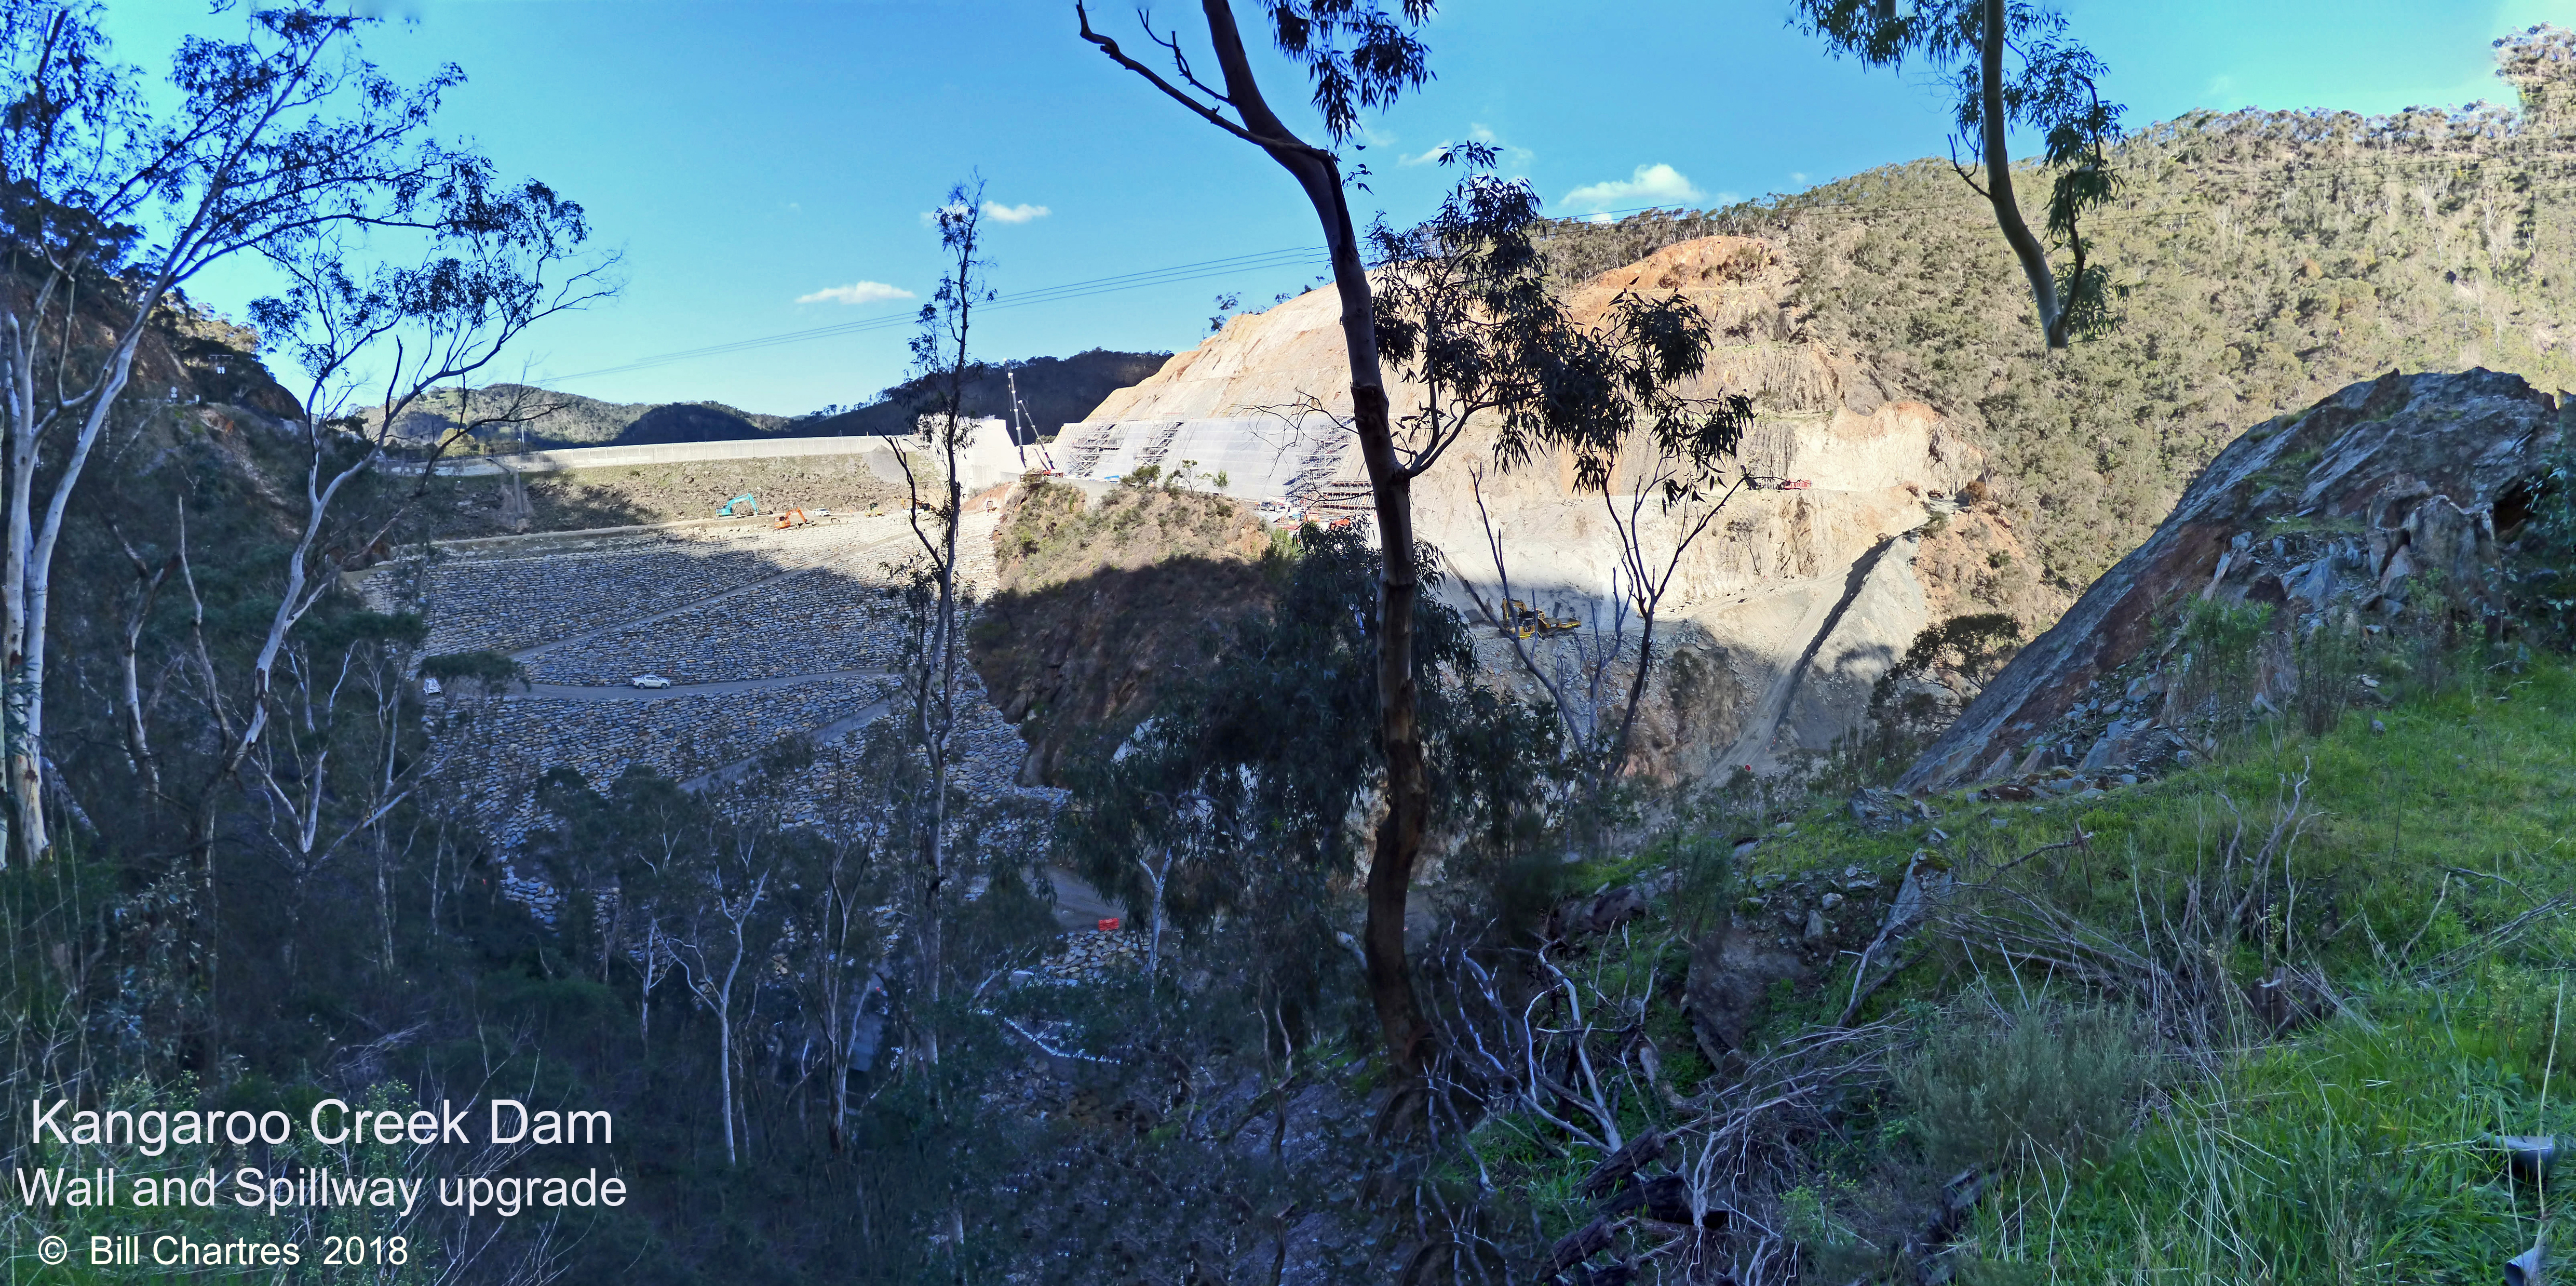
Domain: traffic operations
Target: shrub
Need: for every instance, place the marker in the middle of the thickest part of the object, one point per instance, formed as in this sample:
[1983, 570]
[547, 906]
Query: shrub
[2329, 664]
[2042, 1080]
[2221, 653]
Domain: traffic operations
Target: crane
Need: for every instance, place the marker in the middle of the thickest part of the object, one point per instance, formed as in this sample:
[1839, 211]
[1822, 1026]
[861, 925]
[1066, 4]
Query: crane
[1019, 416]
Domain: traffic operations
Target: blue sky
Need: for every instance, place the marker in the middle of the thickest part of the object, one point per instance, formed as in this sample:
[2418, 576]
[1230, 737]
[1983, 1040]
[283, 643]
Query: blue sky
[749, 155]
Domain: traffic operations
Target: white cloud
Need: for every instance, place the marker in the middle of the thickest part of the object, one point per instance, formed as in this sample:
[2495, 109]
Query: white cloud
[1508, 155]
[1650, 185]
[857, 292]
[1015, 213]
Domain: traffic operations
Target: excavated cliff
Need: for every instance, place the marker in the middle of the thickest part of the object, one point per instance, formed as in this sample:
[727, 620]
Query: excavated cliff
[1786, 613]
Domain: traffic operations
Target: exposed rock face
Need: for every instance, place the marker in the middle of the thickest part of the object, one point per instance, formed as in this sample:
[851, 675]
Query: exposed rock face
[1792, 606]
[2348, 503]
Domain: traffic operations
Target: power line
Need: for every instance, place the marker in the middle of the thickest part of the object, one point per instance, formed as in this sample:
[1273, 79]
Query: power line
[1794, 207]
[1295, 256]
[1298, 256]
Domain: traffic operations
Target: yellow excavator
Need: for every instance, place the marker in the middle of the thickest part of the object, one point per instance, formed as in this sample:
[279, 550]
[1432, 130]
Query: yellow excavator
[1522, 621]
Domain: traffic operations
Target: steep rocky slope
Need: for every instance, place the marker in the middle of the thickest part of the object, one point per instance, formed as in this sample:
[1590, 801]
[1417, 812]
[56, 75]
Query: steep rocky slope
[1801, 598]
[1102, 594]
[2260, 261]
[2329, 520]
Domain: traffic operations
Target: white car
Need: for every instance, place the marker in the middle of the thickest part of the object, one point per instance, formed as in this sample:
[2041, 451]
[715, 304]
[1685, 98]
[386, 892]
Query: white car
[649, 681]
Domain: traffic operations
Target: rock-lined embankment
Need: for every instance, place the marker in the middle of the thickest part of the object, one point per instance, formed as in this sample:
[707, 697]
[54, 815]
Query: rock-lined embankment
[768, 636]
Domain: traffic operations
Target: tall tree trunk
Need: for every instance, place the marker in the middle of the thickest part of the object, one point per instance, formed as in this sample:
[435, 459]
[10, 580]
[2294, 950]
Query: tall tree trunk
[1408, 792]
[1999, 180]
[26, 585]
[938, 694]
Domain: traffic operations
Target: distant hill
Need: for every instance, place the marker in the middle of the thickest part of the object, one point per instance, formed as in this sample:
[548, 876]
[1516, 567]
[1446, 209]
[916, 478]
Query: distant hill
[577, 421]
[1054, 392]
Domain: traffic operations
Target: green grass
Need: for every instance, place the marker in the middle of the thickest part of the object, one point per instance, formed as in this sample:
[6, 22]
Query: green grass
[2355, 1146]
[2356, 1149]
[2450, 823]
[2357, 1153]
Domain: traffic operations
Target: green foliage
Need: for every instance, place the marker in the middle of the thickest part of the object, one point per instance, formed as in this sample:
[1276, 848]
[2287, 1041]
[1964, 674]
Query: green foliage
[2329, 660]
[2357, 1154]
[1972, 647]
[2220, 660]
[2259, 261]
[2053, 89]
[1245, 779]
[2544, 543]
[2041, 1081]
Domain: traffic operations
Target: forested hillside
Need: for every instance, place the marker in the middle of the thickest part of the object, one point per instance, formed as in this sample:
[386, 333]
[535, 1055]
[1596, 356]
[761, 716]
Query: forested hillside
[2248, 966]
[571, 420]
[2258, 260]
[1054, 392]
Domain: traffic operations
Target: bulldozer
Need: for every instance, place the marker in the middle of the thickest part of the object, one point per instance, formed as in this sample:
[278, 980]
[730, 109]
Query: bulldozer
[741, 506]
[1521, 620]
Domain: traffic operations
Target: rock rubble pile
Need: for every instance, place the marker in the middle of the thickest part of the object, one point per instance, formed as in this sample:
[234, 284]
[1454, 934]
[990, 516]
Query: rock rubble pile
[821, 602]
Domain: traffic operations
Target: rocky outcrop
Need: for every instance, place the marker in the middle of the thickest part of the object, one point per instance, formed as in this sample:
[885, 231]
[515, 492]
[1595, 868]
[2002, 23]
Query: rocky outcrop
[2388, 491]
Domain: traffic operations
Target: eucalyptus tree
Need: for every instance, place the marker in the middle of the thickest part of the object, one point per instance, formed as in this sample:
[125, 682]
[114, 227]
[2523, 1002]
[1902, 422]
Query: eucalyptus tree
[937, 646]
[112, 204]
[1357, 55]
[2050, 83]
[1467, 311]
[494, 260]
[1232, 805]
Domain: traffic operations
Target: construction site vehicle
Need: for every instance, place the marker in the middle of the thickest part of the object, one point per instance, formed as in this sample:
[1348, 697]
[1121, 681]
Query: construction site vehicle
[1795, 484]
[1522, 621]
[742, 506]
[793, 518]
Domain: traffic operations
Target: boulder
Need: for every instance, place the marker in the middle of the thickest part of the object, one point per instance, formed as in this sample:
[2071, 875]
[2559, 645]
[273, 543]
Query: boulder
[1601, 913]
[2356, 498]
[1731, 974]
